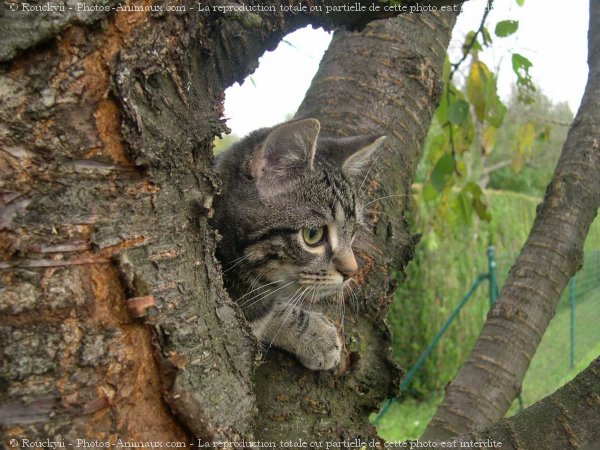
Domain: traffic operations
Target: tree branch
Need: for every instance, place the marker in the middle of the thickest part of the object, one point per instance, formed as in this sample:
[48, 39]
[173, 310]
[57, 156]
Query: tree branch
[499, 165]
[548, 120]
[566, 419]
[25, 27]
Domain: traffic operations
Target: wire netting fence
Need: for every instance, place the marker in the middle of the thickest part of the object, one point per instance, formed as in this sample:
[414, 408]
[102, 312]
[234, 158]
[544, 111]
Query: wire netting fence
[570, 343]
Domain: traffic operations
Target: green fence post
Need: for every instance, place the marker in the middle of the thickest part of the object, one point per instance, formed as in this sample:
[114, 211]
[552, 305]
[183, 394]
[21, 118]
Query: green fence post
[411, 373]
[491, 253]
[572, 293]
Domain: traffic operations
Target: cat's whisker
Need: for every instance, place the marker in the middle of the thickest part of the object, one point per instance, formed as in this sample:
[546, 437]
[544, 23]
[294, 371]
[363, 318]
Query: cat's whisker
[258, 277]
[369, 171]
[257, 288]
[314, 293]
[257, 299]
[370, 245]
[349, 291]
[261, 297]
[289, 301]
[357, 302]
[366, 197]
[389, 215]
[291, 304]
[340, 296]
[238, 261]
[312, 289]
[362, 208]
[245, 255]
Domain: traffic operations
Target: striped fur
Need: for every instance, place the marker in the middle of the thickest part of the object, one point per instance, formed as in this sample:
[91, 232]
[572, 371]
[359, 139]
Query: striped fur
[276, 182]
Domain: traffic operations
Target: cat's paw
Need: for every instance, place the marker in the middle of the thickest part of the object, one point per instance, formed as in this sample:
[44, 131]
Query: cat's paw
[321, 347]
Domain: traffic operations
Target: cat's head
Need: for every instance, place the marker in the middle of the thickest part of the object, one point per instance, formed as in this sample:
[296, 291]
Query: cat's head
[290, 207]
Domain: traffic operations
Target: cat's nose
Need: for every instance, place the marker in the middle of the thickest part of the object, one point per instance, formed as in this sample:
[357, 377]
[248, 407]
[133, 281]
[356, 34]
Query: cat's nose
[346, 264]
[347, 274]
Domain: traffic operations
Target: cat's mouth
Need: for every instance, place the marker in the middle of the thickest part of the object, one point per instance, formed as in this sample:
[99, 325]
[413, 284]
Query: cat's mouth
[328, 292]
[323, 285]
[310, 287]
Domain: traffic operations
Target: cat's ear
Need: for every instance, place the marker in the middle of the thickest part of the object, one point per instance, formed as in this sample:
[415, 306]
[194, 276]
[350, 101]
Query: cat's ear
[286, 152]
[354, 154]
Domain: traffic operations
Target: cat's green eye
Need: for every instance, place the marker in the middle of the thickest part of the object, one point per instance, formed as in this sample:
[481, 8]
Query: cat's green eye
[313, 236]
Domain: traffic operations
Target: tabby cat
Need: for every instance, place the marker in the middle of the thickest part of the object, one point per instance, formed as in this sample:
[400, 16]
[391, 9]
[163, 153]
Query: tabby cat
[288, 213]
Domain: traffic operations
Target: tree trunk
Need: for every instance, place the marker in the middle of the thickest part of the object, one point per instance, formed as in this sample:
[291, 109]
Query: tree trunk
[115, 324]
[491, 378]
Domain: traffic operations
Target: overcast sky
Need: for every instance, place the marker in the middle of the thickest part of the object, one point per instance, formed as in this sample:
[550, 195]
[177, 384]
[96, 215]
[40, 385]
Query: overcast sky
[552, 34]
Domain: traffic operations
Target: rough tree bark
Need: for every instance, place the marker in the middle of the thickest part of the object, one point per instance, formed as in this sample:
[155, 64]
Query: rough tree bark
[491, 378]
[114, 320]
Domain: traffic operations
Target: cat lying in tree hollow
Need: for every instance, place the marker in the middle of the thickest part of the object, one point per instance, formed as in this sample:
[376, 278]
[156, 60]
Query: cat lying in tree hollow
[288, 213]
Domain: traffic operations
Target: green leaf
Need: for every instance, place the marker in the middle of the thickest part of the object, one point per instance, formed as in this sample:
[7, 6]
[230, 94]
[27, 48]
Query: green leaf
[473, 188]
[488, 139]
[471, 44]
[520, 63]
[477, 87]
[437, 146]
[497, 113]
[506, 28]
[442, 110]
[524, 138]
[442, 170]
[478, 201]
[463, 136]
[464, 207]
[487, 39]
[543, 135]
[481, 209]
[458, 112]
[446, 72]
[521, 66]
[482, 92]
[520, 2]
[429, 192]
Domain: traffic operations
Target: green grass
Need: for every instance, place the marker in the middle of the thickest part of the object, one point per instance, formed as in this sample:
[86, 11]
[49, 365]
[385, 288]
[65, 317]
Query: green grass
[407, 418]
